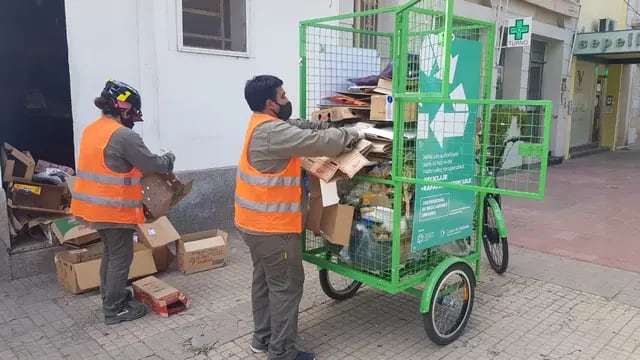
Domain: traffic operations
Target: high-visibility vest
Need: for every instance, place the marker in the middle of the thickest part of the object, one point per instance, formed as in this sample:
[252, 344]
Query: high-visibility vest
[269, 203]
[100, 194]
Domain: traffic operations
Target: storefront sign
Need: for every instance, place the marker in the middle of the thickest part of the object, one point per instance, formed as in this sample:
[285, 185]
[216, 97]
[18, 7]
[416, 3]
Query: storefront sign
[519, 32]
[612, 42]
[445, 147]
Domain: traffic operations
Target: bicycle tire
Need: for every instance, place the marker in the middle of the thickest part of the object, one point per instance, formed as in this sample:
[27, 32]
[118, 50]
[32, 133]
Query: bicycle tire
[337, 294]
[491, 237]
[430, 328]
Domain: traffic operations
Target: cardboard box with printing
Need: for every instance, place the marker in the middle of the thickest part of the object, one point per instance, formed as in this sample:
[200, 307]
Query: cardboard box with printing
[162, 298]
[202, 251]
[70, 230]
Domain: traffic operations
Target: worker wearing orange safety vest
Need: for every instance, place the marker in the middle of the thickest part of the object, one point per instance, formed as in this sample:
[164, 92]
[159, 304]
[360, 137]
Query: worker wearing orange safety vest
[269, 207]
[108, 193]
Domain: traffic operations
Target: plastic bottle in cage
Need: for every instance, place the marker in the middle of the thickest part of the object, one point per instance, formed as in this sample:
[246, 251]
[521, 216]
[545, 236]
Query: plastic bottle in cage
[448, 301]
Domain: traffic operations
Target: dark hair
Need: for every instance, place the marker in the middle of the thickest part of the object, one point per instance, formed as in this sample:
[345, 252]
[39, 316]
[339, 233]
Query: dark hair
[260, 89]
[107, 106]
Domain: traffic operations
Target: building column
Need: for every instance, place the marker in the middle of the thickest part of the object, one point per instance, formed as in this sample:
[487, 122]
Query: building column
[515, 73]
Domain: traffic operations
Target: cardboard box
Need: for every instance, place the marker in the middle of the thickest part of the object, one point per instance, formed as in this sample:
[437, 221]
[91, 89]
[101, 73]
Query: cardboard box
[16, 163]
[28, 195]
[79, 270]
[157, 235]
[69, 230]
[345, 165]
[382, 109]
[338, 114]
[161, 192]
[162, 298]
[202, 251]
[331, 222]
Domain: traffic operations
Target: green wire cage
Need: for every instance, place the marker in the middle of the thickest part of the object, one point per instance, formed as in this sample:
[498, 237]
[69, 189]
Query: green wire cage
[421, 88]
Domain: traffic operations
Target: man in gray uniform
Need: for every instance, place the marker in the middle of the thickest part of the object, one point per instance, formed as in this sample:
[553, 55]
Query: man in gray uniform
[124, 152]
[278, 275]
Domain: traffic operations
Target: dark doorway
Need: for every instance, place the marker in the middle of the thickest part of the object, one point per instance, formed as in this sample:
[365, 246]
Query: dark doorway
[35, 100]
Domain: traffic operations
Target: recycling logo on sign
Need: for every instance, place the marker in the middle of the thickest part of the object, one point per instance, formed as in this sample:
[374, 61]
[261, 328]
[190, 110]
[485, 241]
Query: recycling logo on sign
[449, 120]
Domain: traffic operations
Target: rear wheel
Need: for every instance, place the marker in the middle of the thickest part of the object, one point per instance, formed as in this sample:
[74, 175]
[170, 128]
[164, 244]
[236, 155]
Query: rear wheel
[338, 287]
[451, 304]
[496, 247]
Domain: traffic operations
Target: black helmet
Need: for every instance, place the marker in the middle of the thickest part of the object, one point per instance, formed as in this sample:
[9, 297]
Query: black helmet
[124, 96]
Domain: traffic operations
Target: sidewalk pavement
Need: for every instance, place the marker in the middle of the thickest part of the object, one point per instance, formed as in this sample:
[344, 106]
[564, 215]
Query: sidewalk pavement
[590, 211]
[545, 308]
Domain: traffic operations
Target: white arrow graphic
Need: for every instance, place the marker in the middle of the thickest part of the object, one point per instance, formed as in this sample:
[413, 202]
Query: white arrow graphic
[451, 124]
[444, 124]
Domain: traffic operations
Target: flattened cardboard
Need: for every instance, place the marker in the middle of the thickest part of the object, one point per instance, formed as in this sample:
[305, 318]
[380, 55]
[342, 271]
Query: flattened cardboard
[161, 192]
[338, 113]
[202, 251]
[345, 165]
[69, 230]
[81, 276]
[162, 298]
[157, 235]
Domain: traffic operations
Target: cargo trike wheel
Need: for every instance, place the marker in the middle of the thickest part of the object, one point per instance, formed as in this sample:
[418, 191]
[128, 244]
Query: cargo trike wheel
[451, 304]
[337, 286]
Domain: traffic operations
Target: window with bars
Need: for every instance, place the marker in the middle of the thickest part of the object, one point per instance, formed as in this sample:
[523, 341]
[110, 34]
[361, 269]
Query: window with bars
[369, 22]
[214, 26]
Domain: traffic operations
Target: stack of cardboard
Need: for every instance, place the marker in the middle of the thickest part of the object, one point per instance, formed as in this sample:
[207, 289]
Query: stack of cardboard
[37, 192]
[368, 107]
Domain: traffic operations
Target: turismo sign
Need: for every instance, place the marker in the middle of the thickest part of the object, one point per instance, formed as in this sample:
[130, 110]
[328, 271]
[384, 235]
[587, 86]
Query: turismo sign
[519, 32]
[612, 42]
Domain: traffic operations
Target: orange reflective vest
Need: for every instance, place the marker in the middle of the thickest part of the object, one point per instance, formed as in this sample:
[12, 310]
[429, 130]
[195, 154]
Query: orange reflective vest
[269, 203]
[100, 194]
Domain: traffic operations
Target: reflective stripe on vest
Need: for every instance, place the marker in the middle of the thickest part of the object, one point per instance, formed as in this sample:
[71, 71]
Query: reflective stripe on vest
[108, 179]
[98, 200]
[269, 180]
[268, 207]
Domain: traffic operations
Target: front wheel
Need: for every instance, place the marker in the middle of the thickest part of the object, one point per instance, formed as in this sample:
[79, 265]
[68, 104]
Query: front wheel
[337, 286]
[495, 246]
[451, 304]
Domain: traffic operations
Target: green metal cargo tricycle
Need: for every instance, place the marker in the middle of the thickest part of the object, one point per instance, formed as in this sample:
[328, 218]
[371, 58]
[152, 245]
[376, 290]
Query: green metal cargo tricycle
[438, 155]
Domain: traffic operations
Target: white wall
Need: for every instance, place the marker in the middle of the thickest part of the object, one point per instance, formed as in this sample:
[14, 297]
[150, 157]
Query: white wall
[193, 104]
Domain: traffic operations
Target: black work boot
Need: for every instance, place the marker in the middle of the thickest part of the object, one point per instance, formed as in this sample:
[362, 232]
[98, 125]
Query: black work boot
[131, 310]
[305, 356]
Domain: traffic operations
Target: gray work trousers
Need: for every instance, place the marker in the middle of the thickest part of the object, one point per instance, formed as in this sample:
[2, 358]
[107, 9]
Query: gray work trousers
[278, 280]
[114, 268]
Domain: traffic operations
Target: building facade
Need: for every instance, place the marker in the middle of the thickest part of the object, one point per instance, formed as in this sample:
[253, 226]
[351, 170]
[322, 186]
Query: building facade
[606, 98]
[189, 59]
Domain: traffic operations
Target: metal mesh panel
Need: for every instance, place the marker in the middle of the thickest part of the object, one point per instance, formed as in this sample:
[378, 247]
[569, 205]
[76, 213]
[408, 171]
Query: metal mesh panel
[423, 99]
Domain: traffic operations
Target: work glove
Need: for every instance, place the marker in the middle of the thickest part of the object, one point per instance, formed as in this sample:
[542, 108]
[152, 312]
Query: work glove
[361, 134]
[170, 156]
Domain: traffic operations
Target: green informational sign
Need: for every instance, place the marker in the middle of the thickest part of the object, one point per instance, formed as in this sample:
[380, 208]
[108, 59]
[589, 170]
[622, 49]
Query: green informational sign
[445, 145]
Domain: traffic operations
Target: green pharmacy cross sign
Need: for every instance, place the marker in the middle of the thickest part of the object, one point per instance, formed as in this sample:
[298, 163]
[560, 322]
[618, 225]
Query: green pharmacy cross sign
[519, 32]
[519, 29]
